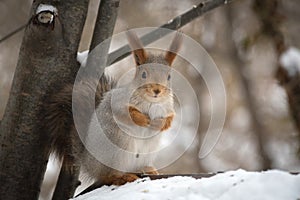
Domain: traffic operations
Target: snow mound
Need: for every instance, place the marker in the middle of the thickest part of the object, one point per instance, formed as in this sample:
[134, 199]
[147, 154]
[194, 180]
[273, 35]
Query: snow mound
[269, 185]
[290, 60]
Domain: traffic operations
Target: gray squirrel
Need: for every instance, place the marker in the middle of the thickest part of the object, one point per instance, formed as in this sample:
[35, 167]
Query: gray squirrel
[132, 117]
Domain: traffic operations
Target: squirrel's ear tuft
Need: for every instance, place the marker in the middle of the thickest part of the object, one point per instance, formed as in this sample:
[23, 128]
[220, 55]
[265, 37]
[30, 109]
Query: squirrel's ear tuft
[136, 45]
[174, 48]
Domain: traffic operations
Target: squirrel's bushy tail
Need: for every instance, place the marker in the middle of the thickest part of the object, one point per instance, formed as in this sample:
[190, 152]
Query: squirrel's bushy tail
[58, 113]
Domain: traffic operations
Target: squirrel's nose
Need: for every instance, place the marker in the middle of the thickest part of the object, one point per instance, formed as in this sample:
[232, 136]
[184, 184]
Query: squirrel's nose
[156, 91]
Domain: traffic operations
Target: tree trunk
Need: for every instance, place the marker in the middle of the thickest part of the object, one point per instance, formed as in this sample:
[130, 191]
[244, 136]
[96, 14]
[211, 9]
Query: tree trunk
[47, 59]
[271, 19]
[104, 28]
[258, 127]
[105, 23]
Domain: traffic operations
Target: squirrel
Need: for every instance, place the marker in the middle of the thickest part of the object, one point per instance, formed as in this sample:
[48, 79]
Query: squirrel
[132, 117]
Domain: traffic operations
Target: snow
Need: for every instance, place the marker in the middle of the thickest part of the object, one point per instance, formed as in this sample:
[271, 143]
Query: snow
[239, 184]
[82, 57]
[50, 178]
[290, 60]
[46, 7]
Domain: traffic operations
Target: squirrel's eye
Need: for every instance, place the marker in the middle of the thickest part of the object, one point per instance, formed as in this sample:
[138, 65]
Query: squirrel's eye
[144, 75]
[169, 77]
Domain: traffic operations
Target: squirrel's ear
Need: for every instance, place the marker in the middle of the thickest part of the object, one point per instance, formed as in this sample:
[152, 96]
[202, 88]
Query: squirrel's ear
[136, 45]
[174, 48]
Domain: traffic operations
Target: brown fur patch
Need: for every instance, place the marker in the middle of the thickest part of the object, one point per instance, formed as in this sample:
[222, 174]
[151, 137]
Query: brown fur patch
[168, 122]
[119, 179]
[136, 45]
[138, 118]
[174, 48]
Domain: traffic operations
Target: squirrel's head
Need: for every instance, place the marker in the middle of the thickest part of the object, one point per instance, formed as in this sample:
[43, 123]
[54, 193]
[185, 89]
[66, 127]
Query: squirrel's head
[153, 72]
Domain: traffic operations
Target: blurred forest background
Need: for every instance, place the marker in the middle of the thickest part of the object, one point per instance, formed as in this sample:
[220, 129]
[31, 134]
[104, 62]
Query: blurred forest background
[259, 132]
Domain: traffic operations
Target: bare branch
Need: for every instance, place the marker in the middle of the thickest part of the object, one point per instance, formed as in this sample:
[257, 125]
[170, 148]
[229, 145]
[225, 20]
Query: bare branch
[196, 176]
[13, 33]
[173, 24]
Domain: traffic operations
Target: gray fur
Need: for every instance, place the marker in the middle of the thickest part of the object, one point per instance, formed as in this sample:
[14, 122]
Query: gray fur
[117, 125]
[111, 122]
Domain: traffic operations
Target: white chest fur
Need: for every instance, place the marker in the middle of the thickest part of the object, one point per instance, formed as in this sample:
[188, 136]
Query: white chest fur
[157, 111]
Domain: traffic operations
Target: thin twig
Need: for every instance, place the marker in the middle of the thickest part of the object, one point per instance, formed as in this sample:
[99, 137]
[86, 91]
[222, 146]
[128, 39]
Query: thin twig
[173, 24]
[13, 33]
[196, 176]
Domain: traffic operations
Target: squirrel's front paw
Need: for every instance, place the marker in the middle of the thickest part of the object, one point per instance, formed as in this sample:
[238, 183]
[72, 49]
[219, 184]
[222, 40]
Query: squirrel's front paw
[157, 124]
[138, 118]
[149, 170]
[119, 179]
[167, 123]
[162, 124]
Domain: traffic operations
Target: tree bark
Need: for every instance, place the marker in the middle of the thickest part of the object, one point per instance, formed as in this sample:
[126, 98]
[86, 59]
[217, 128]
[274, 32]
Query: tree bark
[67, 182]
[47, 58]
[105, 22]
[104, 28]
